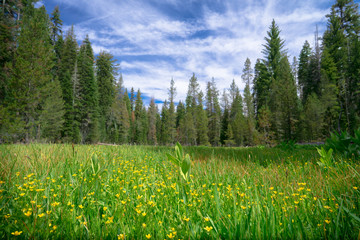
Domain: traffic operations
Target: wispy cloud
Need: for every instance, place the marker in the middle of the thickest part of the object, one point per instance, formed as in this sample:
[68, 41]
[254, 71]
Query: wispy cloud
[211, 38]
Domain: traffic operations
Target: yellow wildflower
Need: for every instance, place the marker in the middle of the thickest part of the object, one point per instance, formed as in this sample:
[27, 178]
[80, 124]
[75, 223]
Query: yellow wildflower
[170, 235]
[208, 229]
[27, 214]
[41, 215]
[327, 221]
[121, 236]
[81, 206]
[16, 233]
[148, 236]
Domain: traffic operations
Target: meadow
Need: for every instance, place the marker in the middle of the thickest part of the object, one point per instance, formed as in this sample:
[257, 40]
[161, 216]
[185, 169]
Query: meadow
[134, 192]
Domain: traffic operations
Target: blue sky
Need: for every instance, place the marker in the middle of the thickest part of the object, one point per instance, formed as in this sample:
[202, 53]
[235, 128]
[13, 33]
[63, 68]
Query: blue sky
[156, 40]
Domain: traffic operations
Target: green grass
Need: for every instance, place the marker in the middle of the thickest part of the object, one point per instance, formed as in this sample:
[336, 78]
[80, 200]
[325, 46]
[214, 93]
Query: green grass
[107, 192]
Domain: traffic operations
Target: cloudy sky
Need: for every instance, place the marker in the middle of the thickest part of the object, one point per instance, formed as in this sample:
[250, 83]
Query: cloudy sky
[156, 40]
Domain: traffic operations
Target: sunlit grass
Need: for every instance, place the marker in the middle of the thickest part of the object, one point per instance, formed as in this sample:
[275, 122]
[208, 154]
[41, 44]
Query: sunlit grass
[133, 192]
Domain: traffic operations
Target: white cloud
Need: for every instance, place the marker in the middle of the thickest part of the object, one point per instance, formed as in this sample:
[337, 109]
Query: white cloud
[39, 4]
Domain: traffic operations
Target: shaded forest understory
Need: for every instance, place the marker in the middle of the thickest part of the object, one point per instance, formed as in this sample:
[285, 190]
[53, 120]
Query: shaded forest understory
[53, 90]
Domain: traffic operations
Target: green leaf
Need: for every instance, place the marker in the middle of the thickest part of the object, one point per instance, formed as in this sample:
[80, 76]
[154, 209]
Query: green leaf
[351, 214]
[185, 165]
[179, 151]
[172, 159]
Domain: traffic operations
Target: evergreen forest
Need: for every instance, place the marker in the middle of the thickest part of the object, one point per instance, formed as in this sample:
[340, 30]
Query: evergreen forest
[54, 90]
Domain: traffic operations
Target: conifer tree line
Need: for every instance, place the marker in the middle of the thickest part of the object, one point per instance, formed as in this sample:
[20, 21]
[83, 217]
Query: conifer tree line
[53, 90]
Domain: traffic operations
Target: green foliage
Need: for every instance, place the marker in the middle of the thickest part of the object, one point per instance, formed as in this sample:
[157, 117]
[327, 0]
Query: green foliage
[181, 160]
[69, 81]
[345, 144]
[213, 112]
[107, 192]
[284, 102]
[289, 145]
[52, 116]
[304, 71]
[29, 82]
[88, 94]
[273, 49]
[262, 81]
[326, 158]
[313, 118]
[152, 112]
[105, 79]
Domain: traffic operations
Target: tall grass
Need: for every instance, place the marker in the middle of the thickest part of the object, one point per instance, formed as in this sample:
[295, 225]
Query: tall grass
[133, 192]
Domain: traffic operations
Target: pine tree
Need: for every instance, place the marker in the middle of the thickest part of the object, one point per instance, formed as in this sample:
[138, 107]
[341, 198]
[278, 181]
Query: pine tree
[284, 103]
[247, 75]
[224, 126]
[124, 123]
[171, 113]
[132, 99]
[191, 106]
[343, 23]
[9, 26]
[229, 137]
[127, 101]
[329, 93]
[341, 40]
[188, 130]
[118, 122]
[164, 136]
[249, 112]
[273, 49]
[52, 116]
[152, 112]
[304, 71]
[261, 86]
[250, 131]
[266, 135]
[313, 117]
[31, 73]
[68, 81]
[213, 113]
[140, 136]
[237, 120]
[88, 94]
[105, 75]
[202, 122]
[233, 91]
[56, 38]
[180, 115]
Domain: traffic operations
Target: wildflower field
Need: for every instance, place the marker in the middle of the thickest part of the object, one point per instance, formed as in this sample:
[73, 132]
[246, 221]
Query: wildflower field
[134, 192]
